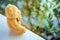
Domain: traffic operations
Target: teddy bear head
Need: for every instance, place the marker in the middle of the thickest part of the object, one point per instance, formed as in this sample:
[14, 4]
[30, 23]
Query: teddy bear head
[12, 11]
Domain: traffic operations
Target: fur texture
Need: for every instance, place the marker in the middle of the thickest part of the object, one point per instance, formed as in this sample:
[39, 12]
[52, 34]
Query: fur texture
[14, 17]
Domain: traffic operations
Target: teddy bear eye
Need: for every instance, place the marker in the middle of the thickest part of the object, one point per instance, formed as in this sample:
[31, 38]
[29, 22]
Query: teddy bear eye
[18, 11]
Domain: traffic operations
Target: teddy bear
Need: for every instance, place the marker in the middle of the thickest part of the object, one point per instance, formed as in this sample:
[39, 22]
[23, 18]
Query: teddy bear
[13, 15]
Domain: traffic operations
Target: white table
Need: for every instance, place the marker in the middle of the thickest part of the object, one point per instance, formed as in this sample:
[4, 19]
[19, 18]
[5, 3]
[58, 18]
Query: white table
[6, 34]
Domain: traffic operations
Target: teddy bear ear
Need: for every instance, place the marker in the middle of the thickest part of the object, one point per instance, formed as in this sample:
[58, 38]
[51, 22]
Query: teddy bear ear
[11, 11]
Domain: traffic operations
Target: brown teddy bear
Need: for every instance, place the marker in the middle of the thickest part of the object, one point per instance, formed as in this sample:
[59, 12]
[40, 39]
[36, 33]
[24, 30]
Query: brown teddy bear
[14, 17]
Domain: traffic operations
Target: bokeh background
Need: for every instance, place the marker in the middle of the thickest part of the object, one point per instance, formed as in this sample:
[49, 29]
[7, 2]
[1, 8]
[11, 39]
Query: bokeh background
[40, 16]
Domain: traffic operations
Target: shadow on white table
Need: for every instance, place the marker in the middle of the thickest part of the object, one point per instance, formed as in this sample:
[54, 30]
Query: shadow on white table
[6, 34]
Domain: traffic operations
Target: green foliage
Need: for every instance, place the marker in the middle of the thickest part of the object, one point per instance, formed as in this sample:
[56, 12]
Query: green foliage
[44, 11]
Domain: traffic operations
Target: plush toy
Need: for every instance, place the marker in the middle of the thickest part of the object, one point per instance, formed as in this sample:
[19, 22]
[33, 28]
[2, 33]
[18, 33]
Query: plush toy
[14, 18]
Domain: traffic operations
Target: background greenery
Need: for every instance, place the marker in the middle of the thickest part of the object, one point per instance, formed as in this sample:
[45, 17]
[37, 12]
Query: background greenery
[40, 16]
